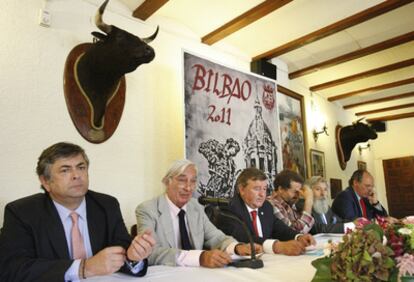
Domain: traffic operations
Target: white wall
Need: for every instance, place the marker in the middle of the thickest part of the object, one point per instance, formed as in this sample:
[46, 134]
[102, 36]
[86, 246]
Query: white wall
[150, 135]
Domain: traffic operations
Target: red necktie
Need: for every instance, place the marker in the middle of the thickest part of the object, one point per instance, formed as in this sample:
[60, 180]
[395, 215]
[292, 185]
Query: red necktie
[364, 208]
[254, 214]
[78, 248]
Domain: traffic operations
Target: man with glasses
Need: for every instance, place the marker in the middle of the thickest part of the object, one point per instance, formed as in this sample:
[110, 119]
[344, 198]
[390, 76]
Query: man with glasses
[181, 227]
[359, 199]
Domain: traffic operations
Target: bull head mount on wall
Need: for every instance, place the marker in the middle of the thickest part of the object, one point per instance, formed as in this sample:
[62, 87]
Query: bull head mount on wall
[347, 137]
[94, 81]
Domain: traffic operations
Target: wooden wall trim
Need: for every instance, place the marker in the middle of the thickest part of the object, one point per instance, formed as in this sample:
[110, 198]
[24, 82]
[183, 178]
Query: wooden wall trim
[148, 8]
[380, 100]
[353, 20]
[385, 109]
[381, 46]
[391, 117]
[371, 89]
[362, 75]
[243, 20]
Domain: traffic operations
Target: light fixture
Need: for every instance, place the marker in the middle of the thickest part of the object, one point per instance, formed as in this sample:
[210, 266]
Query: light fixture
[360, 148]
[316, 133]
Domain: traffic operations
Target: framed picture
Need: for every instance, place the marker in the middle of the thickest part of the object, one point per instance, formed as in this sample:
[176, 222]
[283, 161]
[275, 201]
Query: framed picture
[336, 187]
[362, 165]
[317, 161]
[292, 130]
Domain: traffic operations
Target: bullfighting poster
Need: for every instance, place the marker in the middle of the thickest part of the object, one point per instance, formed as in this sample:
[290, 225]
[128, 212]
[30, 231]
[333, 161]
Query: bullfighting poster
[231, 122]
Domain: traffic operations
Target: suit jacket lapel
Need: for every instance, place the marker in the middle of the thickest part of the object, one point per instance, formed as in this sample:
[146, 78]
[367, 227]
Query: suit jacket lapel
[241, 206]
[165, 221]
[194, 225]
[266, 226]
[96, 224]
[55, 229]
[356, 202]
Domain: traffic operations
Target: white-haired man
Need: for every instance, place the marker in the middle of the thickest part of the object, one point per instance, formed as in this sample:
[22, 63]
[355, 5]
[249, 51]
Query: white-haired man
[326, 221]
[182, 229]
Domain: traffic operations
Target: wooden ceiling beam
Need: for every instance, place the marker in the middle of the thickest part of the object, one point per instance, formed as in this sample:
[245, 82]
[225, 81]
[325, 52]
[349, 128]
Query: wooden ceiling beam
[391, 117]
[353, 20]
[243, 20]
[381, 46]
[148, 8]
[365, 74]
[371, 89]
[380, 100]
[385, 109]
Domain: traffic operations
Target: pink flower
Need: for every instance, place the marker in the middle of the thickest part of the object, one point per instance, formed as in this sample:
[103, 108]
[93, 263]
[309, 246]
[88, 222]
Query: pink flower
[405, 264]
[409, 220]
[361, 222]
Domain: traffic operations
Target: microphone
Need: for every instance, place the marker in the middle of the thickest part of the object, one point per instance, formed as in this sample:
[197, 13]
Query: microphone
[219, 202]
[252, 262]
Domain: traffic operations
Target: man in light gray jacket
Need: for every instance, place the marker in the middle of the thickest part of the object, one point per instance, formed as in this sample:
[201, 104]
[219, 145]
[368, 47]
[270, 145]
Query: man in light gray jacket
[180, 226]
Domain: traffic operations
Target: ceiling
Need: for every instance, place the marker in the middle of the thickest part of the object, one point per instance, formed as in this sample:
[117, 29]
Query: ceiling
[358, 54]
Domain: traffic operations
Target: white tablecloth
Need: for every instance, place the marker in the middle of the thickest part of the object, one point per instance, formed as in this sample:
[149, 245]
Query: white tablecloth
[276, 268]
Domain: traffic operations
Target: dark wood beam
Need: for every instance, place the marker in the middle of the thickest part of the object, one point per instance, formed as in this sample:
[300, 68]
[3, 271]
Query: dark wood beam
[353, 20]
[391, 117]
[365, 74]
[148, 8]
[385, 109]
[371, 89]
[243, 20]
[380, 100]
[381, 46]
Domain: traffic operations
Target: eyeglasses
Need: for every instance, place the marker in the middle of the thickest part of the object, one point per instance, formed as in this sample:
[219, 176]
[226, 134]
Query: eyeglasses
[183, 181]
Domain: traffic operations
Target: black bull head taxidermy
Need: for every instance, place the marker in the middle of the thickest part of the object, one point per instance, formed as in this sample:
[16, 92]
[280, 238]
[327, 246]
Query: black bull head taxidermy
[347, 137]
[94, 80]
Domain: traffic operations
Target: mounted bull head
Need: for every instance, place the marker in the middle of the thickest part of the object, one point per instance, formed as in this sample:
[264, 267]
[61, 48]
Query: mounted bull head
[347, 137]
[98, 73]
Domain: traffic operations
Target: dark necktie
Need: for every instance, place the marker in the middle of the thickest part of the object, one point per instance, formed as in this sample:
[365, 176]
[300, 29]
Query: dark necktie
[363, 207]
[185, 240]
[254, 221]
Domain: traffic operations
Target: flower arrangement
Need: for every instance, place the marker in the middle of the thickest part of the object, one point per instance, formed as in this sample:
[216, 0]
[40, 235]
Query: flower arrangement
[373, 251]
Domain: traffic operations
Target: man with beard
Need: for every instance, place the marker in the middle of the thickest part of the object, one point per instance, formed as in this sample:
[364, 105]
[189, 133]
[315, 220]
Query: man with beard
[326, 221]
[288, 187]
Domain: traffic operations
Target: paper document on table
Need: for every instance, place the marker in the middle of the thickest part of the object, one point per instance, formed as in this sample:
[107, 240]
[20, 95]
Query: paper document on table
[322, 240]
[237, 257]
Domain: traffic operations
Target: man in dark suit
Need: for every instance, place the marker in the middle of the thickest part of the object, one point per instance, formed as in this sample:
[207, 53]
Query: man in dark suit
[359, 199]
[326, 221]
[249, 205]
[67, 233]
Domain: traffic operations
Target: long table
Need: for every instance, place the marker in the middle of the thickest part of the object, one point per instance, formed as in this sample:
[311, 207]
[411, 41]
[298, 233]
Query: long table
[276, 268]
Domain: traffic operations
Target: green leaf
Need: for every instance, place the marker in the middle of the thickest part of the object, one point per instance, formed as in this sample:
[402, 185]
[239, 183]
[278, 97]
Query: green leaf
[376, 228]
[323, 269]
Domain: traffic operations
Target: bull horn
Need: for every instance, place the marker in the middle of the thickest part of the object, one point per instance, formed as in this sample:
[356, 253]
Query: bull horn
[98, 19]
[358, 120]
[152, 37]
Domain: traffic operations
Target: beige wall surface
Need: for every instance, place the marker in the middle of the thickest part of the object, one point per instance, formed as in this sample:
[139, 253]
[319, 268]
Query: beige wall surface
[150, 135]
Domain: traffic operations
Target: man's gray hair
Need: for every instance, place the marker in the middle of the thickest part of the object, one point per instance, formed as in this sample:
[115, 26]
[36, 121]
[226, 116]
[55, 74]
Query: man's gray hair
[315, 180]
[176, 168]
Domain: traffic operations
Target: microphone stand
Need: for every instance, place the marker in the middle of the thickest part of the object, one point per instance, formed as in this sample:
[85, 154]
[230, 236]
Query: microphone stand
[252, 262]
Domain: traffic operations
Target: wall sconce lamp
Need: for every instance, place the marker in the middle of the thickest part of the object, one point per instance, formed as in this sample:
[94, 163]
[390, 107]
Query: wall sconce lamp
[316, 133]
[360, 148]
